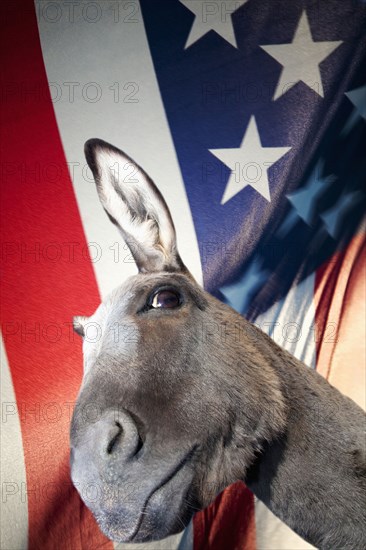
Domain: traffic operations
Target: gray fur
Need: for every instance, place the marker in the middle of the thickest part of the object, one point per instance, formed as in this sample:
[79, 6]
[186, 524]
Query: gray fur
[176, 404]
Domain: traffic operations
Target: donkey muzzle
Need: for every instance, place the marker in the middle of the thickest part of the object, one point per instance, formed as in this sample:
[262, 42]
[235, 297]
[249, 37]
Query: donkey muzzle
[123, 481]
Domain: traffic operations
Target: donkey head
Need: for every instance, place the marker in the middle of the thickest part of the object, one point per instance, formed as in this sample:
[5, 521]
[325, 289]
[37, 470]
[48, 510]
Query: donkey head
[172, 404]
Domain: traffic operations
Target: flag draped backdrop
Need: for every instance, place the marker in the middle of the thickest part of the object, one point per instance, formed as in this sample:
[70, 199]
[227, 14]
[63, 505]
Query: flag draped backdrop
[250, 117]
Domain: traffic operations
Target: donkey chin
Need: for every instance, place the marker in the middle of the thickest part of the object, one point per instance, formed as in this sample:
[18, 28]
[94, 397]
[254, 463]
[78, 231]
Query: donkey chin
[137, 512]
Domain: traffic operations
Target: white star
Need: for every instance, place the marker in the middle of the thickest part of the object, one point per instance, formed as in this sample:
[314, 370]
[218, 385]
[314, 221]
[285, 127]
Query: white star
[212, 16]
[300, 59]
[249, 163]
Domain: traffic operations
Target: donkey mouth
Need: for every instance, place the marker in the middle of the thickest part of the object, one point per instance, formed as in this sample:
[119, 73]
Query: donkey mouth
[161, 492]
[165, 500]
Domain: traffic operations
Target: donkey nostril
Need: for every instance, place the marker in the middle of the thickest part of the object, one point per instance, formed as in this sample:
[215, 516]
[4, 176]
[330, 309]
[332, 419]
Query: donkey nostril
[115, 438]
[121, 437]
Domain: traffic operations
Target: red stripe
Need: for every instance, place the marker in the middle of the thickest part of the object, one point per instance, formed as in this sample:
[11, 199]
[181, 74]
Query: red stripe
[340, 316]
[229, 522]
[40, 292]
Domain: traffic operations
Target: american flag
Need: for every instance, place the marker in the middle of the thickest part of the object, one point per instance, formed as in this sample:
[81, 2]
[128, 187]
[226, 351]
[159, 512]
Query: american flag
[250, 117]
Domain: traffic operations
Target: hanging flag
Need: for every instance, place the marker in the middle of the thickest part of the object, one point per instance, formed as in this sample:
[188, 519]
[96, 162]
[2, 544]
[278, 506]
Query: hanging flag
[250, 117]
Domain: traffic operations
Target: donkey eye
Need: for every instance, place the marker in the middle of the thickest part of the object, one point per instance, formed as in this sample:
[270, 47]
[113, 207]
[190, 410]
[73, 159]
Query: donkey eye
[165, 299]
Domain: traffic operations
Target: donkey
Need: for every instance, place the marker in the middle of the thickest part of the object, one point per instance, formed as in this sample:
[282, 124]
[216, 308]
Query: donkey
[187, 397]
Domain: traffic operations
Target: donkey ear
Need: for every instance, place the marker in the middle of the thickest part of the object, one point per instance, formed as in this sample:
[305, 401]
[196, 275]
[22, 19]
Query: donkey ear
[78, 324]
[135, 205]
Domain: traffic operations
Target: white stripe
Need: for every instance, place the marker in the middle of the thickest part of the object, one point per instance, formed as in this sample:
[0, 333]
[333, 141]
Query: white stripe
[108, 52]
[273, 534]
[295, 315]
[14, 508]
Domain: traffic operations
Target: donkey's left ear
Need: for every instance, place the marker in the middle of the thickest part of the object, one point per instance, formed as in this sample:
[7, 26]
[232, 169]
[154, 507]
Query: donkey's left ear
[78, 324]
[135, 205]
